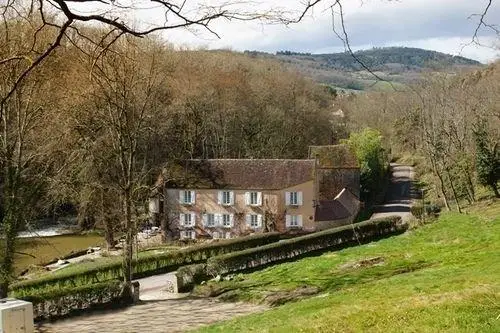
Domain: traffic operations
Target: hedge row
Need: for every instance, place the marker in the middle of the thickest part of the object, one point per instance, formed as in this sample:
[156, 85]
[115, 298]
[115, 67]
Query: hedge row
[144, 266]
[337, 237]
[67, 301]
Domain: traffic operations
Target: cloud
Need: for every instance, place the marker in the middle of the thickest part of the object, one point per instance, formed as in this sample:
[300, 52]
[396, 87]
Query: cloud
[442, 25]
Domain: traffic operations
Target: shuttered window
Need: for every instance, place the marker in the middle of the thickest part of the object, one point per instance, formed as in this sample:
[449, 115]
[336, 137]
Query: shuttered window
[254, 221]
[253, 198]
[293, 221]
[187, 219]
[293, 198]
[226, 198]
[187, 197]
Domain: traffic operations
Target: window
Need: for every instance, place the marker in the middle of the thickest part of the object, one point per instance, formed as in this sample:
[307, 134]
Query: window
[187, 197]
[187, 219]
[253, 198]
[293, 198]
[294, 221]
[209, 220]
[227, 220]
[188, 234]
[254, 221]
[226, 198]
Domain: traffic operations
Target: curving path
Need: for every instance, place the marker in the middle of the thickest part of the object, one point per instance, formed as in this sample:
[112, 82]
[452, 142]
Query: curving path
[153, 316]
[400, 193]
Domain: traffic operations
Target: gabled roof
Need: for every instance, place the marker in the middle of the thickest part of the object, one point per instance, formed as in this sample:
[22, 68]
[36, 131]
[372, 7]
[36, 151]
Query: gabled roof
[250, 174]
[344, 205]
[330, 210]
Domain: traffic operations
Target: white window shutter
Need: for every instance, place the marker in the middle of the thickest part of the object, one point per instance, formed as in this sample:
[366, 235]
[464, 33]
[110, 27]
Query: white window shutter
[247, 198]
[193, 234]
[231, 220]
[287, 198]
[248, 219]
[218, 219]
[193, 219]
[299, 198]
[259, 198]
[181, 196]
[181, 219]
[299, 220]
[288, 220]
[259, 220]
[231, 198]
[219, 197]
[205, 219]
[193, 197]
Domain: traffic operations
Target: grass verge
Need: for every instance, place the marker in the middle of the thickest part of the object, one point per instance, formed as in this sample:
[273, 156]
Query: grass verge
[442, 277]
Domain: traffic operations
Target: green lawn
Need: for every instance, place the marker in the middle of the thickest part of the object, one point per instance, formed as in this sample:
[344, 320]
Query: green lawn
[443, 277]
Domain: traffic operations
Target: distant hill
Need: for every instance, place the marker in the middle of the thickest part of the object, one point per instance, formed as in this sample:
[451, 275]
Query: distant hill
[400, 65]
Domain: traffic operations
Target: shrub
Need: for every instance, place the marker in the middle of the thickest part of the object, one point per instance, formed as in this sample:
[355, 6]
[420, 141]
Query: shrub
[337, 237]
[63, 302]
[190, 275]
[111, 269]
[417, 210]
[431, 209]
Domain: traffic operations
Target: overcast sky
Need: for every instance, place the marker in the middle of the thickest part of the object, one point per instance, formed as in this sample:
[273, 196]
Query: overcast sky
[441, 25]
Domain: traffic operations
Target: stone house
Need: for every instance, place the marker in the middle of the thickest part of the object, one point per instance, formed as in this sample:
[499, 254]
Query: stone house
[224, 198]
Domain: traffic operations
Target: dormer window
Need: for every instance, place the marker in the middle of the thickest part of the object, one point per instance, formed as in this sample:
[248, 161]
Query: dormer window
[187, 197]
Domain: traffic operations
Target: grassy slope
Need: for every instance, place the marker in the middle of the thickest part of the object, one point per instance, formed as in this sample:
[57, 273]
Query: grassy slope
[443, 277]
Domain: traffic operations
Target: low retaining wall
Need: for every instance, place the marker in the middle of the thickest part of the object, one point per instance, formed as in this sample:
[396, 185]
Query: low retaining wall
[73, 301]
[285, 250]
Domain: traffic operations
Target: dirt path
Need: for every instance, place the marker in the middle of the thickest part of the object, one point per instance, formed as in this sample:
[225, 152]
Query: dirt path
[153, 317]
[158, 312]
[399, 194]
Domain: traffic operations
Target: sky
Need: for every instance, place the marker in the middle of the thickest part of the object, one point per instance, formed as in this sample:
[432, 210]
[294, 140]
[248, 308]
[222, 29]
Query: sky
[441, 25]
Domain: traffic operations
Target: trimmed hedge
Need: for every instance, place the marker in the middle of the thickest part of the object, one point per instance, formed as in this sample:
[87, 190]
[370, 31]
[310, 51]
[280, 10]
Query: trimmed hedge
[337, 237]
[67, 301]
[144, 266]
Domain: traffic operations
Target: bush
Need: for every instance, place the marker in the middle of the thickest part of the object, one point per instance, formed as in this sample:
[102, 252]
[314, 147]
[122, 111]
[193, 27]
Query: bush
[63, 302]
[417, 210]
[144, 266]
[190, 275]
[337, 237]
[431, 209]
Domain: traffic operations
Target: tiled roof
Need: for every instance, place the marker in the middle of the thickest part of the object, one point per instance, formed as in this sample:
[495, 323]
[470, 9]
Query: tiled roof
[258, 174]
[330, 210]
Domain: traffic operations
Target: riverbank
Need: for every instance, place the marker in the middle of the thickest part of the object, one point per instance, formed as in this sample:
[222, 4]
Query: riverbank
[41, 250]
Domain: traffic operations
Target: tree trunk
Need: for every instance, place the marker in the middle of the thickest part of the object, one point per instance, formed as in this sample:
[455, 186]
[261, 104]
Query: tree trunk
[494, 187]
[453, 190]
[441, 184]
[109, 234]
[129, 237]
[7, 262]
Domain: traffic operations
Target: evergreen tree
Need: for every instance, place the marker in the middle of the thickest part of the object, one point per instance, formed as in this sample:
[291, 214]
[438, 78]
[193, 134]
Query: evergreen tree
[487, 158]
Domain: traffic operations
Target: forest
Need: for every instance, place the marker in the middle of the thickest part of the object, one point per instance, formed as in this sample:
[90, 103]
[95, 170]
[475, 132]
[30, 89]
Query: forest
[88, 135]
[447, 125]
[88, 132]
